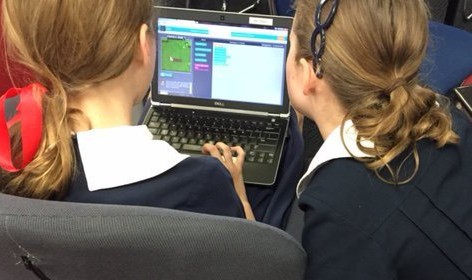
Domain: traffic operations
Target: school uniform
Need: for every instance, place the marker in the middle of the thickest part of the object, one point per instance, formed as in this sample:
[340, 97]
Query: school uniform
[359, 227]
[123, 165]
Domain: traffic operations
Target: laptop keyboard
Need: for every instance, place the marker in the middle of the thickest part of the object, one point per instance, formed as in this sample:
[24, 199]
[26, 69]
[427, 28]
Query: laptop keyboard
[187, 132]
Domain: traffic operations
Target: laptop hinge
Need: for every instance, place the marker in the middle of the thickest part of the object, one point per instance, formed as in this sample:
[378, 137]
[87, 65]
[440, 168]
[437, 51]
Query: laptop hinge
[225, 110]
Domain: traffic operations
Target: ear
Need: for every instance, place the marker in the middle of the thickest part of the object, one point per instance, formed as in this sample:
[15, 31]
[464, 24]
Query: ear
[144, 50]
[309, 76]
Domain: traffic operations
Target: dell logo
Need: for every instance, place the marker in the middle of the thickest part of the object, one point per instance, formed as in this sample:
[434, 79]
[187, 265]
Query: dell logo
[220, 104]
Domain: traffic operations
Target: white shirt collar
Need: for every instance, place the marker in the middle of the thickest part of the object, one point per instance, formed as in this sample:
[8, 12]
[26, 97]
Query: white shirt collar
[333, 148]
[118, 156]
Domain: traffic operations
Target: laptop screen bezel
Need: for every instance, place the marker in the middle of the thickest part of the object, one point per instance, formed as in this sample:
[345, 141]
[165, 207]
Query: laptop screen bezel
[220, 17]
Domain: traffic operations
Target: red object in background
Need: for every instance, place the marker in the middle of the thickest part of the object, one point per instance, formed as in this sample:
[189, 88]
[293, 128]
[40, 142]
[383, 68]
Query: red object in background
[18, 76]
[467, 81]
[5, 82]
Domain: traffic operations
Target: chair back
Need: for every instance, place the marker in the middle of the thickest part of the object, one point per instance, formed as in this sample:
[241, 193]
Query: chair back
[63, 240]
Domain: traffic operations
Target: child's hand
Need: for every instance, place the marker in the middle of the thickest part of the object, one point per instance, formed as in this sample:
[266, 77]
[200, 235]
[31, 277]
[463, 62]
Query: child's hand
[224, 154]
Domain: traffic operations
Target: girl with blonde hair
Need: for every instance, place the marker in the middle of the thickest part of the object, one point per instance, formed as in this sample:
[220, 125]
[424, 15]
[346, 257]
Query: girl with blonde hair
[388, 194]
[90, 63]
[72, 136]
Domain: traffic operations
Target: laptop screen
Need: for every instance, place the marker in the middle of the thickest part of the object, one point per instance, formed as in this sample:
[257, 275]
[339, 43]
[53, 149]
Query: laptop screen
[207, 60]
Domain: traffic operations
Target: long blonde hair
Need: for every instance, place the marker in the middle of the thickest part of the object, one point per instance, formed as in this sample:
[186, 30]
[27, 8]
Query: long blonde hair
[374, 50]
[67, 45]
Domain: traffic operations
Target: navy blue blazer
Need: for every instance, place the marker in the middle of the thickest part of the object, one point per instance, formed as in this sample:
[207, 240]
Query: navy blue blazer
[184, 187]
[358, 227]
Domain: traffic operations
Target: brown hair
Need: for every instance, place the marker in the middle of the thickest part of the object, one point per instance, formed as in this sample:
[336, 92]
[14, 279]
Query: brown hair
[67, 45]
[374, 50]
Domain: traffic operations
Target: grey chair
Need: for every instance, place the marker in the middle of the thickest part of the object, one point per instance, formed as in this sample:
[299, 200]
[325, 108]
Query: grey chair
[62, 240]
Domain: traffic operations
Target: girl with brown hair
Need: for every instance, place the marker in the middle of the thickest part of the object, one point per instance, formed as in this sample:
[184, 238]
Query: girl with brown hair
[388, 194]
[72, 136]
[91, 62]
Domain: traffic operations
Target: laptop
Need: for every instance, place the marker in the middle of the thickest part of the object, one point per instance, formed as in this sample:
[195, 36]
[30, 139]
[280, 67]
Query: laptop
[220, 76]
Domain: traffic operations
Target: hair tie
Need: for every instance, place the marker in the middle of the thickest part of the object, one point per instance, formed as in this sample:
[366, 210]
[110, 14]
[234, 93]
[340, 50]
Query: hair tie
[396, 84]
[29, 113]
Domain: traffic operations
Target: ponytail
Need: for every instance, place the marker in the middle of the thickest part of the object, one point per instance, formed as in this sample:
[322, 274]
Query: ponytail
[395, 120]
[66, 54]
[52, 167]
[371, 63]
